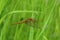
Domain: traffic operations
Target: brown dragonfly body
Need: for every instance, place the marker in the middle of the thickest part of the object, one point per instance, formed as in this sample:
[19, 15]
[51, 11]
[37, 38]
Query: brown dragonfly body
[25, 21]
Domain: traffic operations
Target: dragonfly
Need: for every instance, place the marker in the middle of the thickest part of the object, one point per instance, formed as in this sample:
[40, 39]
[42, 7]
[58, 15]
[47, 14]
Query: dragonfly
[29, 21]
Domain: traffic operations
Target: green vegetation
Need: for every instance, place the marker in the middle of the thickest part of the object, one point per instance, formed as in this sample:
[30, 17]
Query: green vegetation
[45, 12]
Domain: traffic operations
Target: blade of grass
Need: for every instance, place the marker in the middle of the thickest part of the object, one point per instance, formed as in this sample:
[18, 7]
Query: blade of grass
[2, 4]
[44, 27]
[31, 34]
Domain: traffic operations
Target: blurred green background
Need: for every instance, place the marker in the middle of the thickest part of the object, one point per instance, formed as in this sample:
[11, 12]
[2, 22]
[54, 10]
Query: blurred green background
[45, 12]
